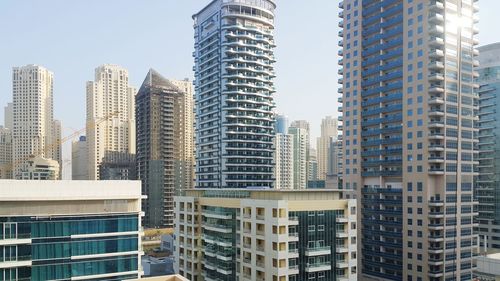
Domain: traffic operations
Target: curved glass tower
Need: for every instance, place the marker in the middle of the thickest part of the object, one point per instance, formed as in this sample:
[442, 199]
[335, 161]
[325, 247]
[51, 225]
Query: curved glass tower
[234, 87]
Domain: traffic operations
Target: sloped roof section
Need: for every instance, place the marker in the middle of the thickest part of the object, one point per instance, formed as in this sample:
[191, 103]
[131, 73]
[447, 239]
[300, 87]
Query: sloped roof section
[156, 80]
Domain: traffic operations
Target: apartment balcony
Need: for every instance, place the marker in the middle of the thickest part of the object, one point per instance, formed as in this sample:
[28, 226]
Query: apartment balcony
[342, 264]
[341, 14]
[436, 29]
[436, 65]
[436, 124]
[437, 6]
[342, 219]
[435, 249]
[435, 260]
[436, 18]
[436, 215]
[436, 226]
[436, 89]
[436, 171]
[293, 236]
[315, 267]
[436, 136]
[318, 251]
[342, 234]
[436, 77]
[293, 253]
[217, 214]
[341, 5]
[341, 249]
[341, 33]
[293, 269]
[436, 53]
[436, 159]
[341, 61]
[341, 24]
[436, 113]
[436, 101]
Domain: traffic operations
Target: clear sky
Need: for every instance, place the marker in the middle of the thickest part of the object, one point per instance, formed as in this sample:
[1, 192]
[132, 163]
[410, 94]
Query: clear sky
[71, 38]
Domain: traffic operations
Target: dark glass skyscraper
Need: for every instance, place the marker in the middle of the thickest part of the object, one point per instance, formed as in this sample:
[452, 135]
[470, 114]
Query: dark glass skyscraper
[162, 164]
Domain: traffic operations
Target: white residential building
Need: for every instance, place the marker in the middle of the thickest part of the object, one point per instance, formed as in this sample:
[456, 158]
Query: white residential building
[284, 161]
[33, 129]
[80, 159]
[39, 168]
[300, 163]
[5, 153]
[328, 130]
[234, 84]
[110, 115]
[9, 116]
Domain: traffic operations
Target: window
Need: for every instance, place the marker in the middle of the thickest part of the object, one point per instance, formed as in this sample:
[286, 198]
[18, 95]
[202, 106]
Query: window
[321, 227]
[311, 228]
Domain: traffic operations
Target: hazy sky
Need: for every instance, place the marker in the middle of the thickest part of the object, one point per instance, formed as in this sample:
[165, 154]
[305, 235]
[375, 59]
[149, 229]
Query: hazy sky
[71, 38]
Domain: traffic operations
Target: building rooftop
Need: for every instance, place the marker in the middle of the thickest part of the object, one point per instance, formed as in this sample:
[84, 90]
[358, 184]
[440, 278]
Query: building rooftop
[176, 277]
[57, 190]
[265, 194]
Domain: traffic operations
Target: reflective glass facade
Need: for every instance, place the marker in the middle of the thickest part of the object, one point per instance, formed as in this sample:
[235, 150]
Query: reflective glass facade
[62, 248]
[487, 188]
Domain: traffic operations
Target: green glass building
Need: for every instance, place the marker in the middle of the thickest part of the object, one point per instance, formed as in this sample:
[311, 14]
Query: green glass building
[61, 230]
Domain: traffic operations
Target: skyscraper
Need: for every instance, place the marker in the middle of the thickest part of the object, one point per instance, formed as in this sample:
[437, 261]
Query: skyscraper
[312, 165]
[187, 146]
[79, 159]
[164, 145]
[5, 153]
[328, 130]
[9, 116]
[284, 161]
[234, 88]
[409, 99]
[110, 115]
[281, 124]
[487, 186]
[33, 121]
[334, 173]
[306, 134]
[300, 163]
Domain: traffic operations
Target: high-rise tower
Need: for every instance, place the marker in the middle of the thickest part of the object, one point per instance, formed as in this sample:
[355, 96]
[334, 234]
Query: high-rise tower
[328, 130]
[33, 118]
[409, 150]
[487, 188]
[164, 145]
[110, 116]
[234, 88]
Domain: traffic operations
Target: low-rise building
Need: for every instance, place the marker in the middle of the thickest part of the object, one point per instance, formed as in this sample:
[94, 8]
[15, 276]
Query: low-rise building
[488, 268]
[249, 234]
[40, 168]
[70, 230]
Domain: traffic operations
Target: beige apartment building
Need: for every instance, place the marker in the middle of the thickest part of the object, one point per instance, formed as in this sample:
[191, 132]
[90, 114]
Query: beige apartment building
[110, 116]
[409, 103]
[249, 234]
